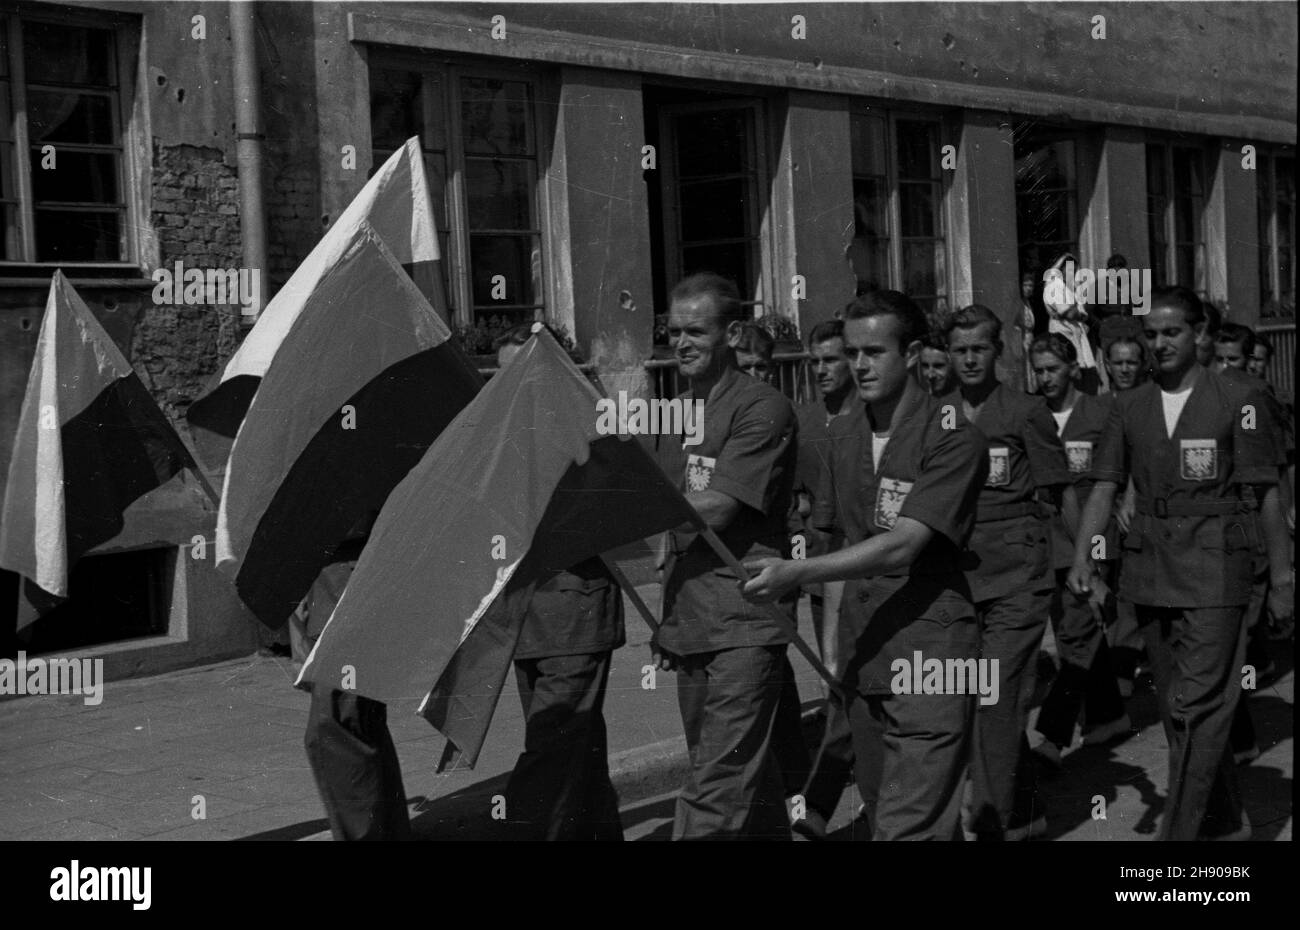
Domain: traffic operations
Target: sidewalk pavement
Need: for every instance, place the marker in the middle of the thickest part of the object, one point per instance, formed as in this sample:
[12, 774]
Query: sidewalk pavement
[216, 753]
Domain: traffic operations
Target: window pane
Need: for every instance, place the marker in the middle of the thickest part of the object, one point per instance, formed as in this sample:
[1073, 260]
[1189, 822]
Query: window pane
[1156, 170]
[498, 194]
[68, 117]
[712, 143]
[923, 268]
[396, 107]
[68, 236]
[714, 210]
[516, 258]
[918, 209]
[918, 145]
[1188, 173]
[58, 54]
[1047, 216]
[1186, 220]
[435, 168]
[78, 177]
[494, 117]
[731, 260]
[870, 260]
[870, 208]
[868, 140]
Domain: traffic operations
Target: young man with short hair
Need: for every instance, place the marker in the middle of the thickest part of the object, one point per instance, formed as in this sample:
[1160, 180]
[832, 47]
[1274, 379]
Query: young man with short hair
[1199, 460]
[1259, 358]
[1011, 581]
[1126, 363]
[828, 773]
[1234, 345]
[934, 369]
[754, 351]
[728, 654]
[560, 787]
[905, 470]
[1086, 681]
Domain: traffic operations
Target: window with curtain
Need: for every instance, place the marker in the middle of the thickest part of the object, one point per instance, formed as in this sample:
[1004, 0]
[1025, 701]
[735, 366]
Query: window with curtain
[61, 180]
[1276, 189]
[1176, 189]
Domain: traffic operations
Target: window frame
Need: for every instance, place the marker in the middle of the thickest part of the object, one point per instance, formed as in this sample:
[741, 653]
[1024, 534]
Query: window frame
[125, 32]
[1271, 292]
[893, 210]
[1079, 138]
[456, 259]
[762, 300]
[1168, 221]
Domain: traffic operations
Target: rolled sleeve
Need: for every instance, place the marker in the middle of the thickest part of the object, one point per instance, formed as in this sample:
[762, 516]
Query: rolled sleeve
[751, 465]
[947, 488]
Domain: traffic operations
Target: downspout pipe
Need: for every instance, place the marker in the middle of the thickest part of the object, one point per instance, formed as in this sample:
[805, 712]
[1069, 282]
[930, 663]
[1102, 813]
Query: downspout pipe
[248, 147]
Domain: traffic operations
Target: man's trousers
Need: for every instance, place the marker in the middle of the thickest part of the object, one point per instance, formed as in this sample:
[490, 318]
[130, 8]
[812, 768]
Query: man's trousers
[1002, 783]
[560, 787]
[1086, 680]
[1196, 657]
[355, 765]
[911, 752]
[728, 701]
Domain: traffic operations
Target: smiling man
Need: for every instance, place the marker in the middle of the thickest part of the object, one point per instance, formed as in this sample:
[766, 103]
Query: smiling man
[904, 473]
[1201, 451]
[729, 655]
[1011, 580]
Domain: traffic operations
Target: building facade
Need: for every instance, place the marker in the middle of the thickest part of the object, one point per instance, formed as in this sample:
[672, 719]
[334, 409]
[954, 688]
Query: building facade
[584, 157]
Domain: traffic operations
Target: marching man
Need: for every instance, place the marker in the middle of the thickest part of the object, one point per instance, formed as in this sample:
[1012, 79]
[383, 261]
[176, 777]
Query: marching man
[1201, 452]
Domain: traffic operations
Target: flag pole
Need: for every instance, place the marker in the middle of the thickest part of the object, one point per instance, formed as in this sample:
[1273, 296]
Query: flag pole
[783, 621]
[630, 591]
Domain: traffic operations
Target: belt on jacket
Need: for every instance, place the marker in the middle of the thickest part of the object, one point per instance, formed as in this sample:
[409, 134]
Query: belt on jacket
[1161, 507]
[987, 514]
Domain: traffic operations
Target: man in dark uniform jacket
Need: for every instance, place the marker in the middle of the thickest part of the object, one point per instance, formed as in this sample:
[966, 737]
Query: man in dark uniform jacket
[727, 653]
[560, 787]
[1234, 346]
[905, 472]
[1011, 580]
[1201, 451]
[1086, 681]
[826, 780]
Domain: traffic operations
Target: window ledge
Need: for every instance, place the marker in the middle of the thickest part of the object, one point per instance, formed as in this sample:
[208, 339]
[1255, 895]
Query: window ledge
[130, 284]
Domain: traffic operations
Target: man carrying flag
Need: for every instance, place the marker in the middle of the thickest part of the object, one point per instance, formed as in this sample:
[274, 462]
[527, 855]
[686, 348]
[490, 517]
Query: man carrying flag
[560, 788]
[902, 483]
[362, 383]
[90, 442]
[728, 654]
[522, 480]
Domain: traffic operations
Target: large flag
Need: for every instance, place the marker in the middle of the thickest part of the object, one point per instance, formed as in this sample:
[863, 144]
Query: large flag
[520, 484]
[395, 203]
[90, 441]
[363, 382]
